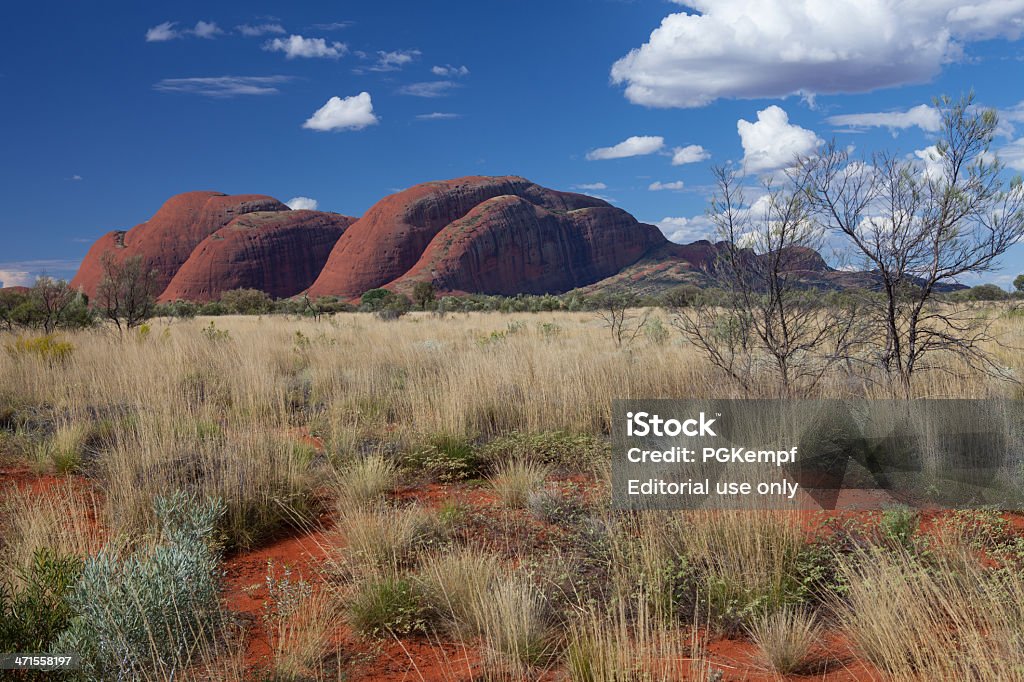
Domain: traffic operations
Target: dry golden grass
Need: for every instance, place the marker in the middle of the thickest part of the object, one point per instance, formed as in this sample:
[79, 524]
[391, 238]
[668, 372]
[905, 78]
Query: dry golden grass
[224, 411]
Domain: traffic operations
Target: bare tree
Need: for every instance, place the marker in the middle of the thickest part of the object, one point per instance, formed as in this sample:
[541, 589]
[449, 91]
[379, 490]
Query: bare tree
[921, 230]
[766, 314]
[127, 293]
[615, 310]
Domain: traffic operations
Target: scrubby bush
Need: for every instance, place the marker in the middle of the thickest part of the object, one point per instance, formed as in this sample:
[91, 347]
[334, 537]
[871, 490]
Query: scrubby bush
[147, 613]
[247, 302]
[34, 613]
[554, 448]
[448, 457]
[387, 606]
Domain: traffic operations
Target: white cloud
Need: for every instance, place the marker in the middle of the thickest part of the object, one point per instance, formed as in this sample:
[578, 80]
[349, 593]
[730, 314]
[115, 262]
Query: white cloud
[76, 177]
[169, 31]
[923, 116]
[332, 26]
[590, 186]
[449, 71]
[775, 48]
[438, 116]
[665, 186]
[692, 153]
[302, 204]
[931, 163]
[25, 273]
[392, 61]
[687, 230]
[773, 142]
[223, 86]
[253, 31]
[349, 113]
[638, 145]
[206, 29]
[298, 46]
[429, 89]
[1013, 154]
[162, 32]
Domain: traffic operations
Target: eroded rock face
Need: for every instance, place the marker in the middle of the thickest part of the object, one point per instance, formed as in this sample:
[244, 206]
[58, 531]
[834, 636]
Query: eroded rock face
[509, 245]
[167, 239]
[279, 252]
[393, 235]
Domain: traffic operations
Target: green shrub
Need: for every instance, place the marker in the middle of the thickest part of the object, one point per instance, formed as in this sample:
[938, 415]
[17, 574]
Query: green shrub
[554, 448]
[215, 335]
[247, 302]
[898, 526]
[448, 457]
[387, 606]
[148, 613]
[33, 615]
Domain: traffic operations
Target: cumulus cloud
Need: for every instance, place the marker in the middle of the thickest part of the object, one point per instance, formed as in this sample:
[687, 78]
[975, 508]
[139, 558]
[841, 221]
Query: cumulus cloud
[76, 177]
[438, 116]
[297, 46]
[206, 29]
[692, 153]
[393, 61]
[775, 48]
[428, 89]
[923, 116]
[169, 30]
[665, 186]
[772, 142]
[223, 86]
[348, 113]
[638, 145]
[686, 230]
[449, 71]
[254, 31]
[162, 32]
[591, 186]
[302, 204]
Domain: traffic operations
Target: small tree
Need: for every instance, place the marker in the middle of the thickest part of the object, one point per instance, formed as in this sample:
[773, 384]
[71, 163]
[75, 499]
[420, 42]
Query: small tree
[127, 293]
[1018, 284]
[615, 310]
[52, 304]
[919, 232]
[247, 302]
[763, 310]
[10, 302]
[423, 294]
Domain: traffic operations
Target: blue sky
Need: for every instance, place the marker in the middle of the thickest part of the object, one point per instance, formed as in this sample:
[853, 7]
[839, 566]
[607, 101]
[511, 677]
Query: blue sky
[109, 108]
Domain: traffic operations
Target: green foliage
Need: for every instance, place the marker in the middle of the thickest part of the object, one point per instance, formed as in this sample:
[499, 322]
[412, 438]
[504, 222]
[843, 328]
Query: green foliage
[656, 332]
[423, 294]
[898, 526]
[387, 304]
[180, 309]
[387, 606]
[448, 457]
[1018, 283]
[555, 448]
[34, 614]
[682, 296]
[247, 302]
[146, 614]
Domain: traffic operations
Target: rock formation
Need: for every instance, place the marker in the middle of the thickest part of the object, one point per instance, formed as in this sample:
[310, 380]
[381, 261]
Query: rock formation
[279, 252]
